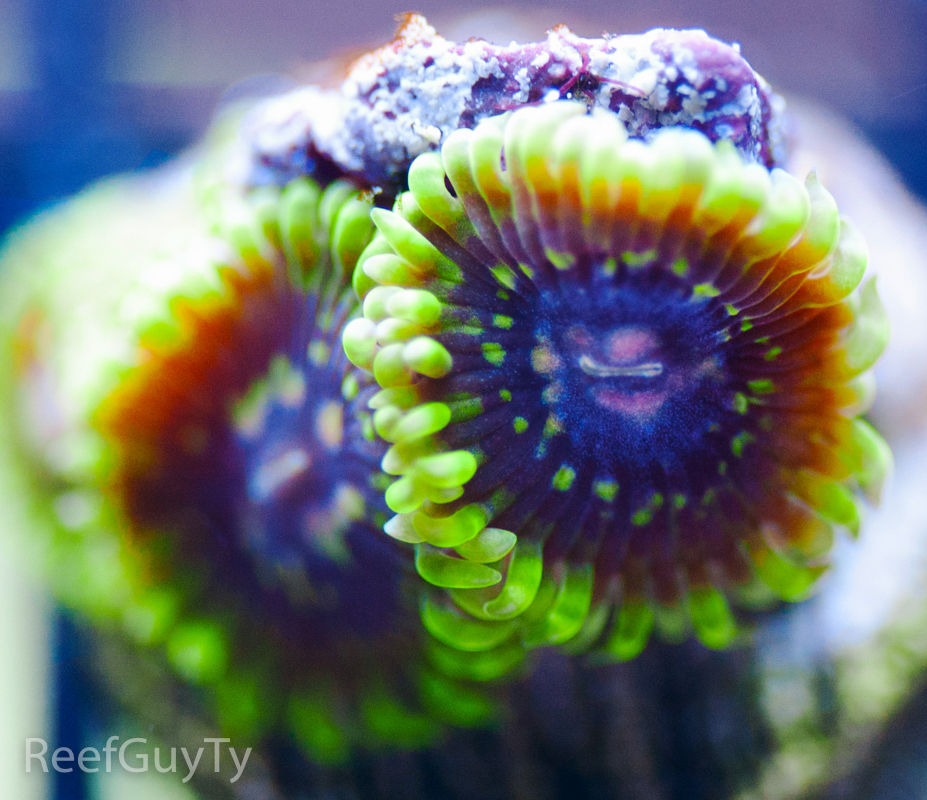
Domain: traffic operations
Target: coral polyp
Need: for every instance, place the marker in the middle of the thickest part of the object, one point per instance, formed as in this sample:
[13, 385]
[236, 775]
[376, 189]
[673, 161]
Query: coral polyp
[243, 433]
[222, 452]
[332, 424]
[621, 380]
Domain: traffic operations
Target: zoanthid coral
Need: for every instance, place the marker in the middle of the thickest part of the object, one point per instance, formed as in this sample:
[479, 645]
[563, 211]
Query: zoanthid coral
[621, 380]
[191, 424]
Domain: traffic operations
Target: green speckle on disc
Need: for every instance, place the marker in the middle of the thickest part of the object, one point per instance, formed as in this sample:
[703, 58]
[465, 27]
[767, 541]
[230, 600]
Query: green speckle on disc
[762, 386]
[505, 276]
[705, 290]
[741, 404]
[740, 441]
[494, 353]
[502, 321]
[563, 478]
[645, 514]
[561, 261]
[633, 259]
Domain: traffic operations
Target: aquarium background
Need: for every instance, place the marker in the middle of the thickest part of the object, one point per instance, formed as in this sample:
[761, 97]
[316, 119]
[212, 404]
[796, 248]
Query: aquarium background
[89, 89]
[92, 88]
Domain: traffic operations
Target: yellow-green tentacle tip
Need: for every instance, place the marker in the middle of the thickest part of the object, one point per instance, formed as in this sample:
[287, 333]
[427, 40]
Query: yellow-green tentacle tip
[392, 724]
[316, 728]
[482, 666]
[631, 632]
[427, 180]
[712, 619]
[462, 631]
[788, 581]
[490, 544]
[459, 705]
[452, 573]
[360, 342]
[568, 611]
[522, 581]
[869, 334]
[453, 530]
[871, 458]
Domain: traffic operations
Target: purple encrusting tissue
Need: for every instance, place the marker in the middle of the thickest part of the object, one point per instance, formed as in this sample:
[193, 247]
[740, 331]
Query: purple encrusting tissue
[407, 97]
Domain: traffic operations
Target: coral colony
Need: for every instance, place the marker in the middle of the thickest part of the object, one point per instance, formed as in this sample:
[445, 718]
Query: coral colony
[490, 349]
